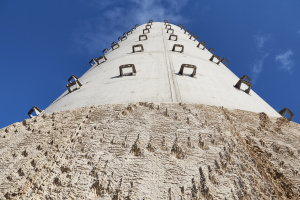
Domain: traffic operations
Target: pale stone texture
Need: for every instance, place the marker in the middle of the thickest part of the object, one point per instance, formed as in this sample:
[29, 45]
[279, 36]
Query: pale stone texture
[150, 151]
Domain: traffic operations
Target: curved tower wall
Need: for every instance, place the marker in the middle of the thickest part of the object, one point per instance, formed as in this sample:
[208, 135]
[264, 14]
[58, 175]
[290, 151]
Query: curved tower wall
[157, 78]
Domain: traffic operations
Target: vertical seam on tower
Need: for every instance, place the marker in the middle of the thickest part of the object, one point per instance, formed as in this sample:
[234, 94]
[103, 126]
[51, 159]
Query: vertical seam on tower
[175, 94]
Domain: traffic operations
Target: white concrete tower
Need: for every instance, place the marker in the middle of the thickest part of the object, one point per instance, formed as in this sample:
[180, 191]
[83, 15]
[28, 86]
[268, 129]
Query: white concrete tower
[159, 52]
[197, 131]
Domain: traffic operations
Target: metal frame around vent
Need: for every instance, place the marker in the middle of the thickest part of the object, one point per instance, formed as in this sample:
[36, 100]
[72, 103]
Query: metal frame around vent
[170, 30]
[196, 38]
[137, 45]
[246, 82]
[36, 110]
[75, 82]
[114, 44]
[123, 38]
[215, 56]
[211, 49]
[203, 44]
[173, 35]
[105, 51]
[143, 36]
[224, 59]
[146, 30]
[97, 60]
[127, 66]
[178, 45]
[188, 66]
[286, 110]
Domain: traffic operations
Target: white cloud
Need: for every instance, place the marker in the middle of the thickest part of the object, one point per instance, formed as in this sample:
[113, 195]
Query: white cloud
[98, 33]
[257, 67]
[260, 40]
[258, 64]
[177, 5]
[286, 63]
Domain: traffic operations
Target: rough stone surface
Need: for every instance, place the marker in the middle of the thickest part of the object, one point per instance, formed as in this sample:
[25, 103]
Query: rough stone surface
[150, 151]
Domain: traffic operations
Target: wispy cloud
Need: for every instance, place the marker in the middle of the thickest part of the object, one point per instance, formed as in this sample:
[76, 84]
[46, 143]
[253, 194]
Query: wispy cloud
[299, 31]
[260, 40]
[177, 5]
[258, 64]
[97, 33]
[257, 67]
[285, 60]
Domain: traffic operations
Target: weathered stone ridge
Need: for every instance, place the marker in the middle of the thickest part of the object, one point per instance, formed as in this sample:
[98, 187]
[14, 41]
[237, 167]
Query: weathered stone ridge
[150, 151]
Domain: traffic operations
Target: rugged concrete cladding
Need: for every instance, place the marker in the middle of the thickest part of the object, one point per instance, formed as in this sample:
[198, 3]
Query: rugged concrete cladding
[150, 151]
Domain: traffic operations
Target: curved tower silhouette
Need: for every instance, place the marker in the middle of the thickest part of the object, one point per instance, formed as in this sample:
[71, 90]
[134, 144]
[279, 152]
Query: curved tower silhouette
[162, 55]
[159, 115]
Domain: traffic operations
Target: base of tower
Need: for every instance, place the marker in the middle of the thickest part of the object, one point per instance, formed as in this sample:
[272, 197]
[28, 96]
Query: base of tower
[150, 151]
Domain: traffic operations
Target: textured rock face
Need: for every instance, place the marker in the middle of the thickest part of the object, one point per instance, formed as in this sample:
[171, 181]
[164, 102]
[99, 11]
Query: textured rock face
[150, 151]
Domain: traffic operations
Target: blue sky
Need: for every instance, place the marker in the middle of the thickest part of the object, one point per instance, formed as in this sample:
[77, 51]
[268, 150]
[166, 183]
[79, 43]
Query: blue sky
[43, 42]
